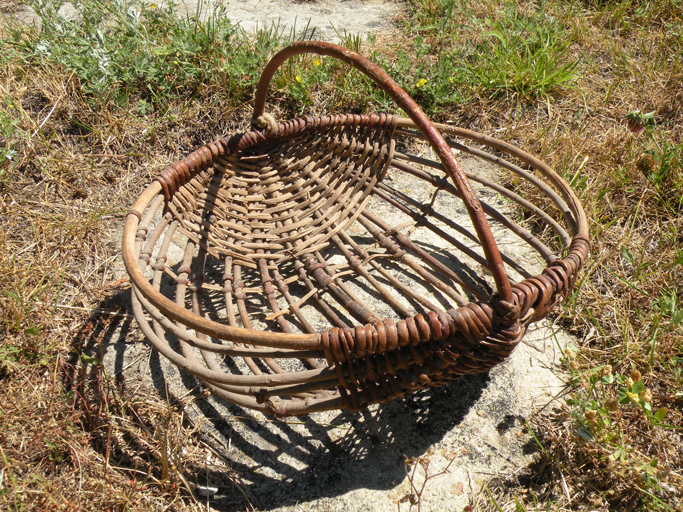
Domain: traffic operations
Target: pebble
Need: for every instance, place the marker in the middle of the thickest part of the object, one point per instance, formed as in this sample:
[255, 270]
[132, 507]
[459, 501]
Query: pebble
[207, 492]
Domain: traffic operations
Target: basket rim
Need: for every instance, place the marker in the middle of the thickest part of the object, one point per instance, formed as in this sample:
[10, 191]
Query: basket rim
[205, 156]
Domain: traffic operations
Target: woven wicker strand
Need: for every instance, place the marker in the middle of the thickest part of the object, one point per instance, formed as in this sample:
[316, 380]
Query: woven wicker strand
[293, 295]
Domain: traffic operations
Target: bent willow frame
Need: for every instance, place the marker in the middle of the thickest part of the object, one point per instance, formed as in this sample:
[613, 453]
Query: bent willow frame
[260, 213]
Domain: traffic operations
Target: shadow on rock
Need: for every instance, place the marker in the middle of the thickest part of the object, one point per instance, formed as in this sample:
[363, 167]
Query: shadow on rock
[303, 459]
[280, 462]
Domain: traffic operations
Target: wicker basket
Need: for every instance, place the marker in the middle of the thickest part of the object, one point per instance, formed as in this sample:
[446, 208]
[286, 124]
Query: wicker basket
[294, 294]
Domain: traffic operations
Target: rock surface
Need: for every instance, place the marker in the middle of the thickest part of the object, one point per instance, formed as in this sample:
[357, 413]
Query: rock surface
[68, 12]
[24, 15]
[341, 461]
[324, 20]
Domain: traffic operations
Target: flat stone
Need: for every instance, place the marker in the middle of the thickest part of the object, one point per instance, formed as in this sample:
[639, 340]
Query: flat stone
[27, 16]
[323, 20]
[68, 12]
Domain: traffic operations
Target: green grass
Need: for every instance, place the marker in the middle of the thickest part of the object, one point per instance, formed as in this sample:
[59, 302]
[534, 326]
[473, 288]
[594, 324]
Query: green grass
[141, 56]
[512, 55]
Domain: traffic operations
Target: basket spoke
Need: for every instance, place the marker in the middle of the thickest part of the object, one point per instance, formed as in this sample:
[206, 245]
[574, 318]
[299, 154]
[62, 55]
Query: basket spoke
[428, 210]
[395, 247]
[278, 315]
[294, 308]
[358, 267]
[395, 283]
[237, 294]
[305, 279]
[507, 222]
[422, 221]
[527, 176]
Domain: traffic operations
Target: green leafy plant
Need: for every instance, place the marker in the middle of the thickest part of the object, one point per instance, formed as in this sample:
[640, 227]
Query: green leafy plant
[675, 365]
[144, 51]
[8, 131]
[662, 164]
[600, 400]
[637, 121]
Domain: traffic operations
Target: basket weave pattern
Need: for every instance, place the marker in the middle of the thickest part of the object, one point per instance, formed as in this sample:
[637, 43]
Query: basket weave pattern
[267, 216]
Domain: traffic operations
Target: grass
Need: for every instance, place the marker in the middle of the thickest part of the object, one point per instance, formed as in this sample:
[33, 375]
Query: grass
[90, 110]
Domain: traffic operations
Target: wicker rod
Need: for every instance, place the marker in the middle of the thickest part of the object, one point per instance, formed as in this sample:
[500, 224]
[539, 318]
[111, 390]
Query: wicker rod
[566, 239]
[573, 212]
[282, 340]
[423, 123]
[523, 233]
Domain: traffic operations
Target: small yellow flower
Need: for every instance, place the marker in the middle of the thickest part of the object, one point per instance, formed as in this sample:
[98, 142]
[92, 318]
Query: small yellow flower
[316, 62]
[421, 82]
[152, 6]
[450, 79]
[299, 79]
[633, 397]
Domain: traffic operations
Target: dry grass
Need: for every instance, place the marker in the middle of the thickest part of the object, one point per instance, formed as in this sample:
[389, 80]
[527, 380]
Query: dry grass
[97, 448]
[627, 312]
[75, 438]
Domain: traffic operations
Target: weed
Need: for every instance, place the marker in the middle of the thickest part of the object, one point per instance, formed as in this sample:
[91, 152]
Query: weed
[526, 56]
[598, 406]
[519, 507]
[130, 53]
[510, 55]
[23, 299]
[662, 165]
[411, 466]
[8, 130]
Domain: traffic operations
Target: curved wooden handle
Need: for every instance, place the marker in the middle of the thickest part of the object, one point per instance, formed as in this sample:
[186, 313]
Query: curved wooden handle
[408, 105]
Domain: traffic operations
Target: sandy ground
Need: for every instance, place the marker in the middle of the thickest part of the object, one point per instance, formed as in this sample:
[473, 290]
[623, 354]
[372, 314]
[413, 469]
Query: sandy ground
[324, 20]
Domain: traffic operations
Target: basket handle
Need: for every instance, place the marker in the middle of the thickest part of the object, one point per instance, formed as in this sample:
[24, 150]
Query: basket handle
[408, 105]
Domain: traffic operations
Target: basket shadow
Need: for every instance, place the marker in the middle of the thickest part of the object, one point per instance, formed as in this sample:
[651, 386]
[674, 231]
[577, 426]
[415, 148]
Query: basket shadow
[298, 460]
[282, 462]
